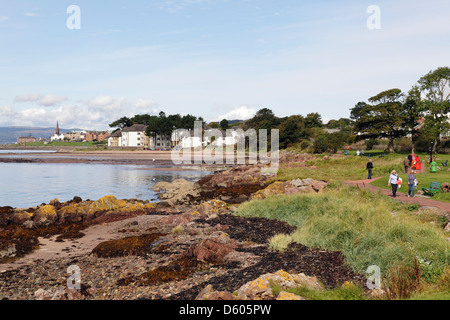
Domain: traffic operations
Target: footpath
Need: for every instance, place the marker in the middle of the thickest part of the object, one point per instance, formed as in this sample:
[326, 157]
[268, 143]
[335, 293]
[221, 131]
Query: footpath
[403, 197]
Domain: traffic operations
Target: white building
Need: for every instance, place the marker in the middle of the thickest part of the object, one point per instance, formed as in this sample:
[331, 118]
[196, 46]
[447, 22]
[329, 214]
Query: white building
[133, 136]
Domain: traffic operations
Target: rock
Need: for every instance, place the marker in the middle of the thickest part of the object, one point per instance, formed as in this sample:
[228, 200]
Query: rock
[447, 227]
[275, 188]
[56, 204]
[377, 293]
[58, 294]
[261, 287]
[179, 191]
[233, 186]
[311, 283]
[20, 217]
[296, 183]
[45, 216]
[283, 295]
[213, 249]
[108, 205]
[5, 212]
[208, 293]
[209, 209]
[318, 186]
[295, 186]
[8, 252]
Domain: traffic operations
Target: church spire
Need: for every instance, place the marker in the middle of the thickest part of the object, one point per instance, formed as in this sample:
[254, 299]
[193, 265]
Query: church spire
[57, 128]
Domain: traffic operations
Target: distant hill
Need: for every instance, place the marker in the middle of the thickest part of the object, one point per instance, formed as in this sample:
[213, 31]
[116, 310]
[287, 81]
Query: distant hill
[9, 135]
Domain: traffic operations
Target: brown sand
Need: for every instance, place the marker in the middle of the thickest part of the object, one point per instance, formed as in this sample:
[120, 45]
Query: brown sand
[50, 249]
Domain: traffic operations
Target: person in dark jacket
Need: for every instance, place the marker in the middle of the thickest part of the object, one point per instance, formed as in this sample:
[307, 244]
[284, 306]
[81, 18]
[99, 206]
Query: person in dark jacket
[369, 168]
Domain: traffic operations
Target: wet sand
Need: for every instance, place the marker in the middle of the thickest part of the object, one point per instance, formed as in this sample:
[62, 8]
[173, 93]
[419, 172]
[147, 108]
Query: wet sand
[49, 248]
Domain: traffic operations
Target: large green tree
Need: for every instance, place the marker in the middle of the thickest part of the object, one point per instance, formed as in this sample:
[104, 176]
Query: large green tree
[413, 113]
[384, 117]
[435, 91]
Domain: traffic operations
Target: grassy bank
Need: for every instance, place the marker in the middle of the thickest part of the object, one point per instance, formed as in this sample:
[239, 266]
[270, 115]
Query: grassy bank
[368, 228]
[341, 168]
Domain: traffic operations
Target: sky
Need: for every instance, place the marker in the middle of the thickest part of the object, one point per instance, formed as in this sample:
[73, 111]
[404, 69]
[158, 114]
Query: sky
[210, 58]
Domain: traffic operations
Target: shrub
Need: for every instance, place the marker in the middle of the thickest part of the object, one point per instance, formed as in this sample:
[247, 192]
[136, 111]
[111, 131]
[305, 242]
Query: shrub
[370, 143]
[402, 281]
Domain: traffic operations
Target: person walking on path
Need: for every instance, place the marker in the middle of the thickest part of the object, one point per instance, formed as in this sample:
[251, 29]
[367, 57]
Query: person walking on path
[407, 165]
[411, 183]
[369, 168]
[393, 178]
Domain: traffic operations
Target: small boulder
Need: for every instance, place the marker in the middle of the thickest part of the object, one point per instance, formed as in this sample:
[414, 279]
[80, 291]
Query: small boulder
[213, 249]
[283, 295]
[208, 293]
[260, 288]
[45, 216]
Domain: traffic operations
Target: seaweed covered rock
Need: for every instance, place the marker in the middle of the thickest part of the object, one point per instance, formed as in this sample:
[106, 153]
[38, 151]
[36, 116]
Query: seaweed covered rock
[290, 187]
[45, 216]
[234, 185]
[106, 206]
[179, 191]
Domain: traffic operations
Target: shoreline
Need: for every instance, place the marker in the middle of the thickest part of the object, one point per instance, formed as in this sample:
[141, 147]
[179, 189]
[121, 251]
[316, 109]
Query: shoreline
[161, 159]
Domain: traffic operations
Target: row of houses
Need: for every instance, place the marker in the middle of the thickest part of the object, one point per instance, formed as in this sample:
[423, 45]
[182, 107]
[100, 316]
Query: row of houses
[135, 137]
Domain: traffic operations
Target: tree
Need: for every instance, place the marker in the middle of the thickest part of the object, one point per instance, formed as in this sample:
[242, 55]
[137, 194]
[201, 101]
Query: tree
[413, 113]
[313, 120]
[121, 123]
[357, 111]
[435, 87]
[383, 118]
[263, 119]
[291, 130]
[224, 125]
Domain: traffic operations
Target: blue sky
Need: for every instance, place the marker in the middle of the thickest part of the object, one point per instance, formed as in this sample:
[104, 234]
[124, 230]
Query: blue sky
[210, 58]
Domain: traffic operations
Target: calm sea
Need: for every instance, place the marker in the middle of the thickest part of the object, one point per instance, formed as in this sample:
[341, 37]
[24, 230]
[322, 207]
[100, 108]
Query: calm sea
[24, 185]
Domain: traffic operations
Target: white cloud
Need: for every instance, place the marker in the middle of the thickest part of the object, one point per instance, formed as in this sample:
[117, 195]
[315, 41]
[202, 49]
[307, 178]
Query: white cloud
[46, 100]
[93, 114]
[3, 18]
[239, 113]
[31, 14]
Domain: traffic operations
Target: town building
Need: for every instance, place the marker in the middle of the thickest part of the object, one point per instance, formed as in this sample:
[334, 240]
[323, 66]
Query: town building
[57, 136]
[115, 139]
[22, 140]
[96, 135]
[75, 135]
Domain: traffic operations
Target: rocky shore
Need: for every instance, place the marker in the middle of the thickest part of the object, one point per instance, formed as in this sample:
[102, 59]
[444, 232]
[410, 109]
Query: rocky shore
[187, 246]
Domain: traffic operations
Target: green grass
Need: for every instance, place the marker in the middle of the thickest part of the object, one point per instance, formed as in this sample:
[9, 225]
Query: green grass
[64, 144]
[342, 168]
[358, 223]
